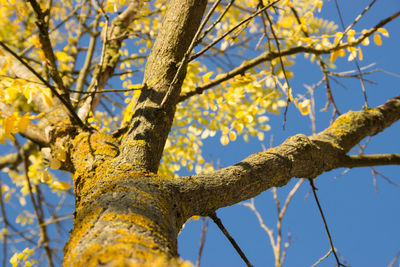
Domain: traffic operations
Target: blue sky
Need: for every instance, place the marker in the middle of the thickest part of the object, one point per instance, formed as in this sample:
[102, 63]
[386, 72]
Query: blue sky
[364, 224]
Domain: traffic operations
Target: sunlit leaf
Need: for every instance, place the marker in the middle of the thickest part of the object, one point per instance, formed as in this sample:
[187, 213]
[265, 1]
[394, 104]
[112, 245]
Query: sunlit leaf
[224, 140]
[377, 39]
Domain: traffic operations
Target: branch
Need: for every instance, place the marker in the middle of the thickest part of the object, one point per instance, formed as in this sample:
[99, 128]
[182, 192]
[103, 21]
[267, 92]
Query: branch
[370, 160]
[70, 110]
[298, 156]
[218, 222]
[270, 55]
[150, 125]
[33, 133]
[15, 158]
[88, 60]
[47, 48]
[112, 41]
[193, 57]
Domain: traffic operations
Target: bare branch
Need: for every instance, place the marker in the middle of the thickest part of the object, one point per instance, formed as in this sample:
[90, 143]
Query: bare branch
[218, 222]
[370, 160]
[314, 190]
[193, 57]
[322, 258]
[202, 239]
[270, 55]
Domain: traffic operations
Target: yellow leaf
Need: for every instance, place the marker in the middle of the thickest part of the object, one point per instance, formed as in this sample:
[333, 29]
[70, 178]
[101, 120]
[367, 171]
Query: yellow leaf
[360, 54]
[206, 77]
[353, 54]
[365, 41]
[304, 107]
[384, 32]
[319, 5]
[8, 126]
[239, 127]
[195, 218]
[338, 37]
[377, 39]
[61, 185]
[14, 260]
[46, 95]
[350, 35]
[22, 201]
[54, 164]
[309, 15]
[260, 136]
[7, 197]
[248, 119]
[23, 123]
[335, 54]
[45, 178]
[224, 140]
[232, 135]
[62, 56]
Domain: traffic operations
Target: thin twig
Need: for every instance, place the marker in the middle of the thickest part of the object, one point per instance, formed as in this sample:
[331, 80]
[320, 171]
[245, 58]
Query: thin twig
[38, 211]
[370, 160]
[206, 31]
[231, 30]
[314, 189]
[202, 239]
[355, 60]
[322, 258]
[278, 46]
[391, 264]
[4, 233]
[218, 222]
[270, 55]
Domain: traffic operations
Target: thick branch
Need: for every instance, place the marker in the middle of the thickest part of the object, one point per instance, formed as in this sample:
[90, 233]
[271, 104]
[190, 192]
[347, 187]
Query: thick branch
[298, 156]
[150, 124]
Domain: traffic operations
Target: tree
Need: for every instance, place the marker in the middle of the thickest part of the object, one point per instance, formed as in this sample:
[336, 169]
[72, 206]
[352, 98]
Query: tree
[212, 67]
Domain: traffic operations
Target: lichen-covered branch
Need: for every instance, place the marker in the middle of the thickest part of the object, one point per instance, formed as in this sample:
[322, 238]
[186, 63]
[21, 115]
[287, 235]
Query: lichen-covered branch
[299, 156]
